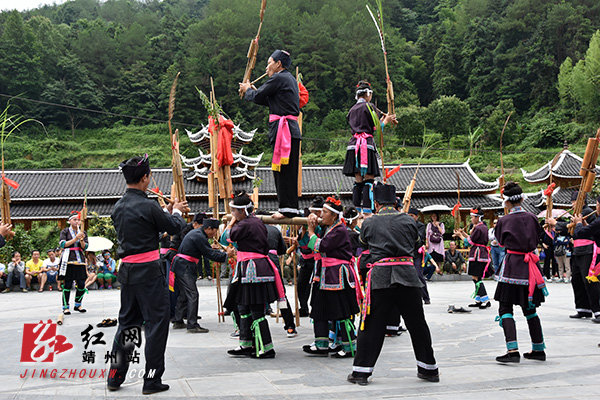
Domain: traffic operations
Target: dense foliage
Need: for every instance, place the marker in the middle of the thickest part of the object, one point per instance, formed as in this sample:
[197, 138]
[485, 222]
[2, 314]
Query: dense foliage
[459, 68]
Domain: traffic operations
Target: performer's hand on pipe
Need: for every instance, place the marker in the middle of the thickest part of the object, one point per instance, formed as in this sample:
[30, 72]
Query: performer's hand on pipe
[178, 205]
[551, 222]
[578, 219]
[5, 229]
[390, 119]
[313, 221]
[230, 251]
[244, 86]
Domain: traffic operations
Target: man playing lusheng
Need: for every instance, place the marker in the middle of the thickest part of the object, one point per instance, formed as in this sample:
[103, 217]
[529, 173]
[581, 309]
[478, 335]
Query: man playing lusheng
[144, 294]
[281, 94]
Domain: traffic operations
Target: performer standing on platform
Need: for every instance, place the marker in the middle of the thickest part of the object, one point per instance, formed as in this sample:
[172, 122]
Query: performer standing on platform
[307, 258]
[392, 282]
[361, 156]
[73, 263]
[479, 256]
[587, 294]
[520, 281]
[259, 280]
[192, 250]
[280, 93]
[144, 294]
[335, 288]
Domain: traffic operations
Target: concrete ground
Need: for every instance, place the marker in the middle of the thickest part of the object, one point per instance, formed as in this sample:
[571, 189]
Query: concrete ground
[197, 365]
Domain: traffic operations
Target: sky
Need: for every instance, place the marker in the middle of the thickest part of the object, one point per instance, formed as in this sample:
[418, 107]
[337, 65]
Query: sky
[22, 5]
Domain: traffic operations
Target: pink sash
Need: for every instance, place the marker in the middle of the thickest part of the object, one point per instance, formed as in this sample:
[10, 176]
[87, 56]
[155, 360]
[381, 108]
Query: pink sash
[332, 262]
[141, 258]
[164, 250]
[361, 147]
[248, 255]
[283, 141]
[582, 242]
[535, 276]
[188, 258]
[489, 258]
[388, 261]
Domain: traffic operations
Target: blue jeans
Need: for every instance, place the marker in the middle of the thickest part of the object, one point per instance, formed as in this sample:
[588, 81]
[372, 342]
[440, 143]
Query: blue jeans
[9, 281]
[497, 257]
[428, 271]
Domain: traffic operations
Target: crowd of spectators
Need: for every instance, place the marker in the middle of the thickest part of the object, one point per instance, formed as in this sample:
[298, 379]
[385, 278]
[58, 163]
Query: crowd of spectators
[44, 273]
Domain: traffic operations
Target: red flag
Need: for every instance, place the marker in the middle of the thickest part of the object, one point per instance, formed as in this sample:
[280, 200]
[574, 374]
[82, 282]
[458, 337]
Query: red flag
[389, 174]
[303, 94]
[10, 182]
[550, 189]
[455, 209]
[224, 154]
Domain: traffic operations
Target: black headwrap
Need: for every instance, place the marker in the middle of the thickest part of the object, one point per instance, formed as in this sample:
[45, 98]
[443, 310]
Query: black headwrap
[384, 194]
[283, 56]
[135, 168]
[211, 223]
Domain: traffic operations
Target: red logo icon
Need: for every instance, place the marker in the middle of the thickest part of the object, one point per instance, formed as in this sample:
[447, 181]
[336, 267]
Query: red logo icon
[41, 343]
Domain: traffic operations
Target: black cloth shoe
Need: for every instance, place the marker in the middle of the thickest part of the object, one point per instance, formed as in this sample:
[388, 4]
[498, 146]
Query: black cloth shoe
[596, 320]
[241, 351]
[312, 350]
[485, 305]
[580, 315]
[155, 388]
[66, 311]
[476, 304]
[82, 310]
[454, 310]
[342, 354]
[535, 355]
[334, 349]
[402, 329]
[179, 325]
[266, 354]
[513, 357]
[113, 384]
[197, 329]
[430, 378]
[362, 380]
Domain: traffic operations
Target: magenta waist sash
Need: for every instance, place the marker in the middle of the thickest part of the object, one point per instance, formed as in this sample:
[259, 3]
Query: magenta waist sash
[488, 256]
[582, 242]
[141, 258]
[248, 255]
[535, 276]
[283, 141]
[75, 248]
[188, 258]
[332, 262]
[360, 150]
[388, 261]
[164, 250]
[308, 256]
[274, 252]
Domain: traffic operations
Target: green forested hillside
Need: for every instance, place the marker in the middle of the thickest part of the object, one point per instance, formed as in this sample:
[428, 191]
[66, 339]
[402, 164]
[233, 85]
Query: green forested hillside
[459, 68]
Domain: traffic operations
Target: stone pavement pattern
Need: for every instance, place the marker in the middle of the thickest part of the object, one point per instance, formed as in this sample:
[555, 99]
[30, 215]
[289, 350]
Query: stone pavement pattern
[197, 365]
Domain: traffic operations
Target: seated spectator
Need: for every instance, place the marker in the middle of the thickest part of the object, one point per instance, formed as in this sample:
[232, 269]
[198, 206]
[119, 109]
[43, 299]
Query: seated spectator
[429, 266]
[50, 268]
[91, 268]
[454, 262]
[16, 270]
[106, 271]
[33, 271]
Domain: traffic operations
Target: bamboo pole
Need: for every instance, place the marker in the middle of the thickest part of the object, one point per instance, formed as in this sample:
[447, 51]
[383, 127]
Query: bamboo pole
[267, 219]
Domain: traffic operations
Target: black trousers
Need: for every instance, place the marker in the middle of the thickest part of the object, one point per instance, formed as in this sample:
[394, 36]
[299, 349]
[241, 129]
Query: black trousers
[424, 292]
[306, 269]
[392, 326]
[187, 301]
[481, 295]
[370, 340]
[286, 183]
[148, 304]
[550, 259]
[347, 333]
[507, 322]
[587, 294]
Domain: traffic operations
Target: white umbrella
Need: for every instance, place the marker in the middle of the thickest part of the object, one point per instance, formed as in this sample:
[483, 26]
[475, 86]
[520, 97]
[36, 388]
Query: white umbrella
[556, 212]
[99, 243]
[436, 207]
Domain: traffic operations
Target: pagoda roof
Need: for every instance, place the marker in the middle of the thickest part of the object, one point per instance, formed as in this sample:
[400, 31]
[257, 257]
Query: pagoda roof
[567, 167]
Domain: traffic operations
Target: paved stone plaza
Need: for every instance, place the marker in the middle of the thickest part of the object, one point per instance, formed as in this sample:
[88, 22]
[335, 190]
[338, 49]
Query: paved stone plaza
[197, 365]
